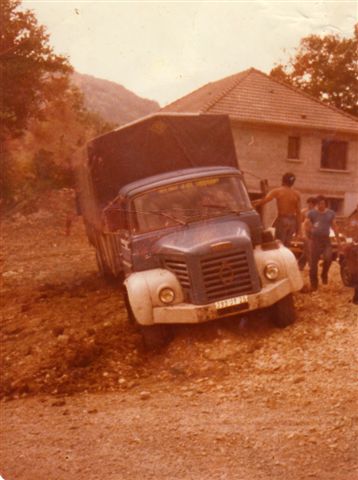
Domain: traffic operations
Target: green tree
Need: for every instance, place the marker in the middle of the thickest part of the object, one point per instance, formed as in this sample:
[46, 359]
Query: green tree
[29, 69]
[326, 68]
[43, 120]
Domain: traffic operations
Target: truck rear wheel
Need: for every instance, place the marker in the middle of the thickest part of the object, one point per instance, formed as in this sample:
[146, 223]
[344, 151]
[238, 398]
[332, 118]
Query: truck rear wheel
[283, 312]
[103, 268]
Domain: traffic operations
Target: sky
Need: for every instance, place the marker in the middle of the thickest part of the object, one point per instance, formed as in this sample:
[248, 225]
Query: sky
[164, 50]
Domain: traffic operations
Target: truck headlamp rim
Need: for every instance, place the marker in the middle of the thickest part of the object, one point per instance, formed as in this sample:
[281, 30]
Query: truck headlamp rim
[271, 271]
[166, 295]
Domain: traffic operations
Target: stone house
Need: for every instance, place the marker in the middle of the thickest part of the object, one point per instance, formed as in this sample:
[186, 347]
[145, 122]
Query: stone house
[276, 129]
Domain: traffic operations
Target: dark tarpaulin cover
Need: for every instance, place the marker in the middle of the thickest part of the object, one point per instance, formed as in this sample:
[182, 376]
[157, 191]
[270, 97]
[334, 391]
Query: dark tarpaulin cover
[158, 144]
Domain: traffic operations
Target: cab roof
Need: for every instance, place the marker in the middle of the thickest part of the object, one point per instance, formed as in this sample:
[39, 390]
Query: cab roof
[182, 175]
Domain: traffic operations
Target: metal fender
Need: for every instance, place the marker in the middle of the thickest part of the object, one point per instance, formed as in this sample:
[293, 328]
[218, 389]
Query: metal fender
[286, 262]
[293, 273]
[143, 292]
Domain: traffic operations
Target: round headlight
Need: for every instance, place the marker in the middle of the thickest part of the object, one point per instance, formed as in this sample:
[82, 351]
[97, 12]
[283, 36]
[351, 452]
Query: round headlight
[271, 271]
[167, 295]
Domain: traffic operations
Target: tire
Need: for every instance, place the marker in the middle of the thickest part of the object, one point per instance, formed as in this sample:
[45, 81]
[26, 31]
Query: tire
[283, 312]
[130, 314]
[345, 274]
[155, 336]
[103, 268]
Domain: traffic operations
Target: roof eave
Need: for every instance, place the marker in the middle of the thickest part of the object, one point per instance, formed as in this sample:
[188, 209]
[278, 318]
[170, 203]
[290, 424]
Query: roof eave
[292, 125]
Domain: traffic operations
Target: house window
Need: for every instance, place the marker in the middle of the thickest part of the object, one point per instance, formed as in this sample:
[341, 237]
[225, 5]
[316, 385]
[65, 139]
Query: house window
[334, 154]
[293, 148]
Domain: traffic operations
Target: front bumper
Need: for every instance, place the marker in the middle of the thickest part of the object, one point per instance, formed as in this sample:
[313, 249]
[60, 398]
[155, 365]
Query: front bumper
[188, 313]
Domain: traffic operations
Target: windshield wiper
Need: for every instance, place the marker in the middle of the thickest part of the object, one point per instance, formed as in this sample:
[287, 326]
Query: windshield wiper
[151, 212]
[163, 214]
[221, 207]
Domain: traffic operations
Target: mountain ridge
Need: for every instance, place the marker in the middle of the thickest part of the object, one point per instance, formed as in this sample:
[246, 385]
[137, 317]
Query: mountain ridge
[112, 101]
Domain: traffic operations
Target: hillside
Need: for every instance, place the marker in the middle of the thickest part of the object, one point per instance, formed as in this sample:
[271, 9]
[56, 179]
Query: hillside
[112, 101]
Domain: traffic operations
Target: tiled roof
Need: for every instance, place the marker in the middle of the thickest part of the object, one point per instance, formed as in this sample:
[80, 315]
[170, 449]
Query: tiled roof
[255, 97]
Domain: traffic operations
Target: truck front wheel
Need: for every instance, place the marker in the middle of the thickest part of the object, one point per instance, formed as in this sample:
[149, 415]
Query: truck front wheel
[345, 273]
[155, 336]
[283, 312]
[130, 314]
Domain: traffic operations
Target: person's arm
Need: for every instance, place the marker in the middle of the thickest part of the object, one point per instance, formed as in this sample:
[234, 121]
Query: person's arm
[270, 196]
[304, 212]
[308, 224]
[307, 227]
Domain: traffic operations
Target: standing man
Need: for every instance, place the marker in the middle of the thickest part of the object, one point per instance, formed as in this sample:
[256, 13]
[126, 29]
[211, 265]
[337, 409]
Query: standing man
[320, 220]
[288, 221]
[306, 253]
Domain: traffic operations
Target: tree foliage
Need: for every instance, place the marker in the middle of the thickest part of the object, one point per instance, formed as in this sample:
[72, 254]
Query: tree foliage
[31, 73]
[326, 68]
[43, 120]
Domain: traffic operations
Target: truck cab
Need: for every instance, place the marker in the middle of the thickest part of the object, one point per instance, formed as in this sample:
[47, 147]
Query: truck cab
[193, 249]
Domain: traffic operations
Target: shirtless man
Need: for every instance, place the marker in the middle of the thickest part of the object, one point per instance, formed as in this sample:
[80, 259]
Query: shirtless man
[288, 202]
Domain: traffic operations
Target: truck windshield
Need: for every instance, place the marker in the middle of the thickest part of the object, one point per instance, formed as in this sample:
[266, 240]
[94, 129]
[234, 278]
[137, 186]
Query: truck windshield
[189, 201]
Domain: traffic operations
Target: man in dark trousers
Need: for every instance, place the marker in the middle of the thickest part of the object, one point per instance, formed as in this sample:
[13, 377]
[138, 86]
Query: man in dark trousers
[320, 221]
[288, 221]
[306, 254]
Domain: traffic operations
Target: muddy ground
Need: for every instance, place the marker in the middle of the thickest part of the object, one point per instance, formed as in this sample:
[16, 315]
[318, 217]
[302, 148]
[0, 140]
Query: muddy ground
[236, 399]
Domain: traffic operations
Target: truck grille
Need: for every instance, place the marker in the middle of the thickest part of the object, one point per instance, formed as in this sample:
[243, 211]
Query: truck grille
[208, 278]
[180, 269]
[226, 275]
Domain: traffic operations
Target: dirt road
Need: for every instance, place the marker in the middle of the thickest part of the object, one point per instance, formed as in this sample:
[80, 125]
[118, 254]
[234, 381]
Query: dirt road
[235, 399]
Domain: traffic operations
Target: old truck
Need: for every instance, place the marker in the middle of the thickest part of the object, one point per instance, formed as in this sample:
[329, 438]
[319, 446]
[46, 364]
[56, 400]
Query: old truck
[166, 208]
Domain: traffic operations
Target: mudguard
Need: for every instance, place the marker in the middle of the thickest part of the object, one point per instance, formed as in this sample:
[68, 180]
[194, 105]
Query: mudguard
[286, 262]
[143, 292]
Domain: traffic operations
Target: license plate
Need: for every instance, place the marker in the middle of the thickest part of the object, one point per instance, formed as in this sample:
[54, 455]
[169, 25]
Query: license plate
[231, 302]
